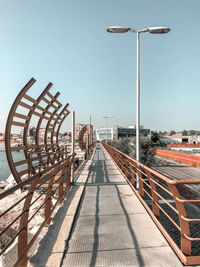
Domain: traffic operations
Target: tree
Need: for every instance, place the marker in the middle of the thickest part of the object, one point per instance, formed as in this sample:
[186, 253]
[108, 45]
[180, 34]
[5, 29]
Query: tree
[184, 133]
[32, 132]
[128, 147]
[172, 132]
[122, 145]
[155, 137]
[192, 132]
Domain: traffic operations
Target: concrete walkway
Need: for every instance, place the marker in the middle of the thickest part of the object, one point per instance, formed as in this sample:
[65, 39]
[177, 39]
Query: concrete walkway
[112, 227]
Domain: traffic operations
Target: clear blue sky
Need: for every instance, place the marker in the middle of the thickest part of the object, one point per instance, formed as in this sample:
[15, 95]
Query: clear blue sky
[65, 42]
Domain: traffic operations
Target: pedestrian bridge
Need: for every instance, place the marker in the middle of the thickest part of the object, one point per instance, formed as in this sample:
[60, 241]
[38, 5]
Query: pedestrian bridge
[106, 224]
[115, 211]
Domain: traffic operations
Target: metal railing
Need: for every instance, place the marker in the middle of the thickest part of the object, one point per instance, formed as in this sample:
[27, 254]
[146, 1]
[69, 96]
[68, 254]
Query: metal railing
[52, 184]
[172, 204]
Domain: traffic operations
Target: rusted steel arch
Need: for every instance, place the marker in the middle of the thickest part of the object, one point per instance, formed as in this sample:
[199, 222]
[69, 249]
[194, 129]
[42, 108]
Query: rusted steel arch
[81, 142]
[10, 122]
[27, 148]
[60, 118]
[37, 141]
[50, 104]
[32, 112]
[65, 112]
[57, 122]
[35, 106]
[51, 126]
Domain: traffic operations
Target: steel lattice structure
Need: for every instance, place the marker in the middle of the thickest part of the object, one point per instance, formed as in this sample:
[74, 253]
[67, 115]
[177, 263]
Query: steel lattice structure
[38, 154]
[81, 141]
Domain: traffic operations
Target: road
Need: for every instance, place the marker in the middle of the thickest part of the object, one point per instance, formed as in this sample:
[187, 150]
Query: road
[178, 171]
[175, 170]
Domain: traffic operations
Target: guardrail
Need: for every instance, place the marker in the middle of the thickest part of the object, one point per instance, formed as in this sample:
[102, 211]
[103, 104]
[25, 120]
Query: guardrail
[172, 208]
[180, 157]
[52, 184]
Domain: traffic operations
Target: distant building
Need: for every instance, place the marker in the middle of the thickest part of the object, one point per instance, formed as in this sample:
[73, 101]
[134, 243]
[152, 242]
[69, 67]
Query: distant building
[2, 137]
[178, 138]
[131, 132]
[119, 132]
[105, 134]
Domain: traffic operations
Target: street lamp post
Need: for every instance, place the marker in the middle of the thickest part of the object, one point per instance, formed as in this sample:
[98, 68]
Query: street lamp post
[154, 30]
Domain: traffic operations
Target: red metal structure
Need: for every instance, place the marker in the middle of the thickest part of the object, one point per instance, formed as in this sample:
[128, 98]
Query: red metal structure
[38, 154]
[82, 143]
[43, 176]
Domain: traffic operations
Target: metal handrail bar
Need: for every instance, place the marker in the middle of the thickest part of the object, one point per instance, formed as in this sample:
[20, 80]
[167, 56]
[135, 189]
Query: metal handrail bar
[172, 207]
[33, 215]
[163, 188]
[148, 194]
[35, 200]
[169, 217]
[20, 259]
[192, 238]
[25, 182]
[12, 240]
[14, 205]
[190, 219]
[43, 177]
[188, 200]
[8, 226]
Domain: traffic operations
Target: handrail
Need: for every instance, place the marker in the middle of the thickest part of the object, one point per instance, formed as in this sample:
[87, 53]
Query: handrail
[26, 204]
[44, 173]
[165, 202]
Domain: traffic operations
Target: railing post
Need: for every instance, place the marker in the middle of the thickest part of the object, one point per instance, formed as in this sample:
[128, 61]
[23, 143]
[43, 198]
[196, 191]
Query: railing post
[68, 173]
[141, 184]
[48, 199]
[132, 173]
[156, 210]
[23, 235]
[61, 183]
[184, 225]
[121, 163]
[126, 168]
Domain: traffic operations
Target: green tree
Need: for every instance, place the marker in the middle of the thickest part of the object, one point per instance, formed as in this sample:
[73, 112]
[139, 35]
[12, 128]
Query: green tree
[32, 132]
[172, 132]
[128, 147]
[155, 137]
[191, 132]
[184, 132]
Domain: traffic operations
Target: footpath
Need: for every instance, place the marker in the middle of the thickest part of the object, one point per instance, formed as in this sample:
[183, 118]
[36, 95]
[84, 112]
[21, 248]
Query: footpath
[104, 224]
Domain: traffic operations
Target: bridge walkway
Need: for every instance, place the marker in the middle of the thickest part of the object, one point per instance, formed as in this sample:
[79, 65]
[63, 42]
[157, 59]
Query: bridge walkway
[112, 227]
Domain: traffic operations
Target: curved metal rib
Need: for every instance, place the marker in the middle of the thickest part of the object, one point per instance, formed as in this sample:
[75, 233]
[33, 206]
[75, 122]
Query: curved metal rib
[8, 129]
[81, 142]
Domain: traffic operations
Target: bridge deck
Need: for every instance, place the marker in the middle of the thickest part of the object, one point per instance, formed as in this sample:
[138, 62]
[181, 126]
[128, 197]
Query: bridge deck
[112, 227]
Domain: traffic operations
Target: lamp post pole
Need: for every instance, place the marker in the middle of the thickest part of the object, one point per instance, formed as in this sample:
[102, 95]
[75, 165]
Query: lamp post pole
[138, 100]
[154, 30]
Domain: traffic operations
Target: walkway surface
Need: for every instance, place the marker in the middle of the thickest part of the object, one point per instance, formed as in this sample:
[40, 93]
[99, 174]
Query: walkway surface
[112, 227]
